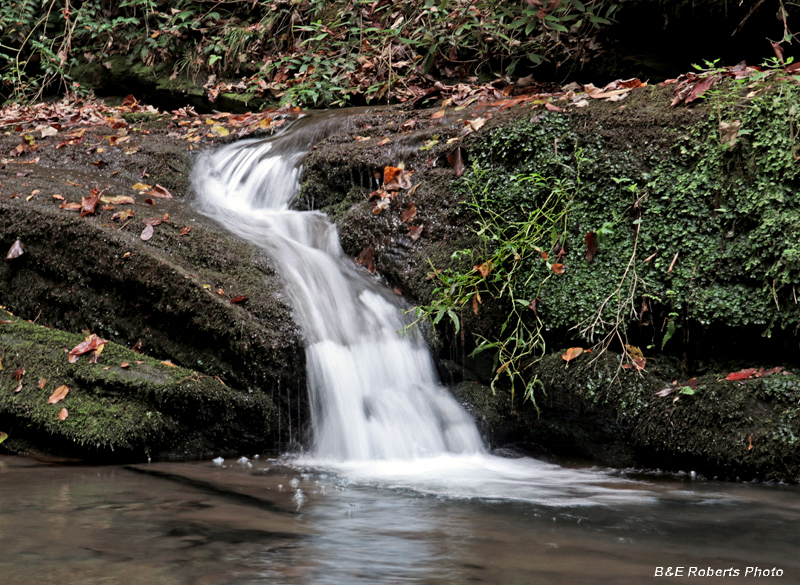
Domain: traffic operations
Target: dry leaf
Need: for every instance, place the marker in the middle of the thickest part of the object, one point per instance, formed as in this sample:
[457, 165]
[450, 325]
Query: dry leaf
[558, 268]
[42, 382]
[15, 251]
[147, 232]
[63, 413]
[484, 269]
[160, 192]
[91, 343]
[58, 395]
[572, 353]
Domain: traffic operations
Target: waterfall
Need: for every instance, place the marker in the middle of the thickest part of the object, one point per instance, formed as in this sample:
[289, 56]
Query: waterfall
[373, 392]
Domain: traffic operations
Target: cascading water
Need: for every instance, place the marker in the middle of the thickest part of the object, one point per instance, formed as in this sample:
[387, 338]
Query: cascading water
[373, 393]
[379, 415]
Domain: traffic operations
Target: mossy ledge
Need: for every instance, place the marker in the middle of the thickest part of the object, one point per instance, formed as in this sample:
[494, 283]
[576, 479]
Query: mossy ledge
[748, 429]
[126, 407]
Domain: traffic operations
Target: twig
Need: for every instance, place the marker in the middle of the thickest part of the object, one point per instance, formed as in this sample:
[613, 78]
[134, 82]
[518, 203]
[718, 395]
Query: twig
[674, 260]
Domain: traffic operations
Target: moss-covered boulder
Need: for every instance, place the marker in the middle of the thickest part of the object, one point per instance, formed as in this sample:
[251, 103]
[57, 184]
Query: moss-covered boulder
[191, 293]
[125, 406]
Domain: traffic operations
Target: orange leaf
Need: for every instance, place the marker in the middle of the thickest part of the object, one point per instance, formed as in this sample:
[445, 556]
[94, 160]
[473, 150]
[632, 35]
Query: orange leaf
[160, 192]
[572, 353]
[639, 363]
[124, 365]
[749, 442]
[63, 413]
[390, 173]
[437, 115]
[484, 269]
[58, 395]
[169, 363]
[42, 382]
[558, 268]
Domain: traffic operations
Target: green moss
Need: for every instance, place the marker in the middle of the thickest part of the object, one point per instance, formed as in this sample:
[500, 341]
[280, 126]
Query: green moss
[143, 407]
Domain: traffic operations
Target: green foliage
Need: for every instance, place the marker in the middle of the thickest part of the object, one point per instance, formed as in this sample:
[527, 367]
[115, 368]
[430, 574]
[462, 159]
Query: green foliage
[311, 53]
[694, 232]
[515, 265]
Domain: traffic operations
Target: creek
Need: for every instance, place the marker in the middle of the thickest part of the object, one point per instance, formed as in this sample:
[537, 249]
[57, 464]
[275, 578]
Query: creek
[396, 486]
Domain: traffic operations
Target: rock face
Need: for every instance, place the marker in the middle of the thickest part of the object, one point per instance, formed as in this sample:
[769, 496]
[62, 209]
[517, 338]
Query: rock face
[169, 296]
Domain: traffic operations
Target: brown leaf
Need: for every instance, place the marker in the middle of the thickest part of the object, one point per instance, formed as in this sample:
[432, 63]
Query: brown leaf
[749, 442]
[409, 212]
[160, 192]
[42, 382]
[436, 115]
[149, 201]
[89, 204]
[484, 269]
[367, 259]
[558, 268]
[18, 373]
[415, 232]
[153, 221]
[18, 388]
[58, 395]
[456, 160]
[553, 108]
[123, 215]
[572, 353]
[591, 245]
[742, 374]
[169, 363]
[91, 343]
[239, 299]
[147, 232]
[142, 187]
[185, 230]
[118, 200]
[15, 251]
[702, 87]
[124, 365]
[63, 414]
[70, 206]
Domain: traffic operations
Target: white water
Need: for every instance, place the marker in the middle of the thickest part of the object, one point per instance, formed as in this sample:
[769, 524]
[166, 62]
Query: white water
[379, 414]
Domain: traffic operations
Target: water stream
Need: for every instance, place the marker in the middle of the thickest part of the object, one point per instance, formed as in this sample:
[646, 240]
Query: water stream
[379, 413]
[396, 487]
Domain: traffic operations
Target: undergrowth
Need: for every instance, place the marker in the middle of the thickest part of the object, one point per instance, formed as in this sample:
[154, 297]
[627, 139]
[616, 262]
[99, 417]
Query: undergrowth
[695, 230]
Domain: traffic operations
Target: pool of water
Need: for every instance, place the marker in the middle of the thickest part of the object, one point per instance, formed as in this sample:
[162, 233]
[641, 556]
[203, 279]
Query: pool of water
[255, 520]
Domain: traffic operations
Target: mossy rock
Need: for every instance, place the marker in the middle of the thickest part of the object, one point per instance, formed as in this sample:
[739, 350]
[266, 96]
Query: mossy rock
[126, 406]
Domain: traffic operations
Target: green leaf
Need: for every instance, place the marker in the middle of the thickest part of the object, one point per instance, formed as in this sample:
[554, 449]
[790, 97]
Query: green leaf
[3, 436]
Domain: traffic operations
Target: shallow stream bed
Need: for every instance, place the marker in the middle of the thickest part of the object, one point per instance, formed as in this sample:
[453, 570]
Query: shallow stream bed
[244, 522]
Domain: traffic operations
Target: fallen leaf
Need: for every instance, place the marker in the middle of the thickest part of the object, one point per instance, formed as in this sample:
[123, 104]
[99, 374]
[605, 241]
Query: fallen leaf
[141, 187]
[476, 124]
[639, 363]
[18, 373]
[219, 131]
[123, 215]
[367, 259]
[390, 173]
[91, 343]
[572, 353]
[147, 232]
[58, 196]
[89, 205]
[728, 132]
[42, 382]
[63, 414]
[124, 365]
[160, 192]
[484, 269]
[742, 374]
[634, 351]
[117, 200]
[436, 115]
[70, 206]
[153, 221]
[149, 201]
[18, 388]
[185, 230]
[169, 363]
[409, 212]
[239, 299]
[553, 108]
[591, 245]
[415, 232]
[749, 442]
[15, 251]
[456, 161]
[58, 395]
[558, 268]
[3, 436]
